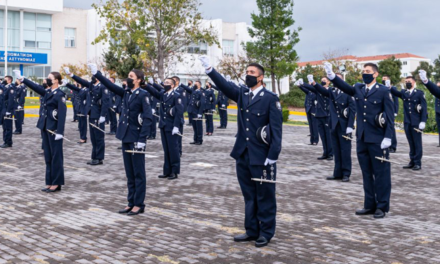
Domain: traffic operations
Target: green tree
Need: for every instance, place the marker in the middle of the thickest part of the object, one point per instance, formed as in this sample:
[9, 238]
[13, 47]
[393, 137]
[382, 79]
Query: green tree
[437, 69]
[274, 39]
[161, 29]
[391, 67]
[122, 57]
[317, 73]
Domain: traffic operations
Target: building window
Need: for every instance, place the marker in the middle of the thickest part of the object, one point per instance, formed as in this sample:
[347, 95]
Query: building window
[69, 37]
[37, 31]
[405, 63]
[228, 47]
[405, 75]
[200, 48]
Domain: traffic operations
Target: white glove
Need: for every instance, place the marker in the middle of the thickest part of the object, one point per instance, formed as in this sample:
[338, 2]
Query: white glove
[349, 130]
[387, 83]
[310, 78]
[228, 78]
[58, 137]
[93, 68]
[301, 82]
[386, 143]
[199, 116]
[150, 80]
[65, 82]
[67, 70]
[159, 80]
[7, 113]
[153, 111]
[175, 131]
[17, 74]
[223, 106]
[19, 107]
[140, 145]
[270, 162]
[205, 61]
[296, 83]
[423, 76]
[101, 119]
[329, 70]
[422, 125]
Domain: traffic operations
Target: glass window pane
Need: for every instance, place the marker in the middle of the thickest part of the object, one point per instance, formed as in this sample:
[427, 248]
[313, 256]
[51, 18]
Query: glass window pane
[39, 71]
[43, 45]
[29, 35]
[14, 38]
[2, 18]
[29, 22]
[44, 36]
[14, 19]
[29, 44]
[44, 22]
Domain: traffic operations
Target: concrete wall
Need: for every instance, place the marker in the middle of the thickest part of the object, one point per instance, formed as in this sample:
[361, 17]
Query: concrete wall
[70, 18]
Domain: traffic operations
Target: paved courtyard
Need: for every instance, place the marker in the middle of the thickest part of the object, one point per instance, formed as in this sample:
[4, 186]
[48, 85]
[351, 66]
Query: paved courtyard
[193, 219]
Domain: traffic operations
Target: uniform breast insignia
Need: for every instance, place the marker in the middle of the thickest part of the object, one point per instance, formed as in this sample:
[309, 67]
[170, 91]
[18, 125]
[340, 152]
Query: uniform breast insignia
[12, 91]
[105, 91]
[137, 92]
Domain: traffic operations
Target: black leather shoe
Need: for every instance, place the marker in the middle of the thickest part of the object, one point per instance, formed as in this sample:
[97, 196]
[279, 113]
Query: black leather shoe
[89, 162]
[193, 143]
[332, 178]
[96, 162]
[6, 146]
[140, 211]
[392, 150]
[365, 211]
[198, 143]
[44, 189]
[244, 238]
[379, 214]
[163, 176]
[173, 176]
[330, 158]
[416, 168]
[409, 166]
[82, 142]
[322, 158]
[125, 211]
[16, 133]
[54, 190]
[261, 242]
[345, 179]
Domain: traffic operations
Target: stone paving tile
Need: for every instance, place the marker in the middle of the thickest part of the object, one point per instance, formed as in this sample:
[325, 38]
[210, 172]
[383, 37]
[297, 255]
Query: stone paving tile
[193, 219]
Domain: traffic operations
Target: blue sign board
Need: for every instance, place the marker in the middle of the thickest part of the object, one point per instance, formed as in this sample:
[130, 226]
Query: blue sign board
[24, 57]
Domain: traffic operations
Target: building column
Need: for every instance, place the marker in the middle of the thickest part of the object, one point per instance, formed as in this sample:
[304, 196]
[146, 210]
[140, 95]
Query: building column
[21, 30]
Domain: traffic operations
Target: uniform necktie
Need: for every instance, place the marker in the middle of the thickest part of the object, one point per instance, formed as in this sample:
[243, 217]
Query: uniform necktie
[367, 91]
[251, 95]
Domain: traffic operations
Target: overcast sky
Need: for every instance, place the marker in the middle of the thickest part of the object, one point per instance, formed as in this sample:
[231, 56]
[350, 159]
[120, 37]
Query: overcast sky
[368, 27]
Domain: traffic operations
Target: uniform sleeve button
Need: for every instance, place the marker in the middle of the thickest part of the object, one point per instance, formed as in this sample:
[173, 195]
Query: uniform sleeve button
[365, 120]
[247, 139]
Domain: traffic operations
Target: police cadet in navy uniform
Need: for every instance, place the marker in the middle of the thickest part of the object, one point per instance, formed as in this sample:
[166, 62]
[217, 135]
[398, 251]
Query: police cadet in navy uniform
[181, 90]
[222, 105]
[83, 99]
[170, 121]
[322, 117]
[195, 109]
[155, 108]
[259, 113]
[133, 129]
[51, 123]
[8, 110]
[386, 80]
[111, 116]
[374, 131]
[99, 104]
[435, 91]
[209, 108]
[20, 98]
[188, 100]
[415, 111]
[309, 104]
[342, 116]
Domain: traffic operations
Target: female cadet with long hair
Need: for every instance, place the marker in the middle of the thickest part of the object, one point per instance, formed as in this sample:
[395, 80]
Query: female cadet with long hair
[51, 123]
[133, 129]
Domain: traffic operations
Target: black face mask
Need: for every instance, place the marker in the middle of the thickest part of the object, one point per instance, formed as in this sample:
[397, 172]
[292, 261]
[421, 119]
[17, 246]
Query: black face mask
[4, 82]
[408, 85]
[124, 86]
[383, 82]
[94, 80]
[368, 78]
[167, 87]
[130, 83]
[45, 86]
[49, 82]
[323, 83]
[251, 81]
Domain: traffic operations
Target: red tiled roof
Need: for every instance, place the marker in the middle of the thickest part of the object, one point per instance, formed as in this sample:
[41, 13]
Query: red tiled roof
[367, 58]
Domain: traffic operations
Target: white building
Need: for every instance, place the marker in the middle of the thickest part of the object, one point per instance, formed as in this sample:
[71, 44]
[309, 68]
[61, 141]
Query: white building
[410, 62]
[42, 36]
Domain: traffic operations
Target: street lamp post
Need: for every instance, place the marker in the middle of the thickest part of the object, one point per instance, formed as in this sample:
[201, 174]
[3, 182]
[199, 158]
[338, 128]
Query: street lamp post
[6, 37]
